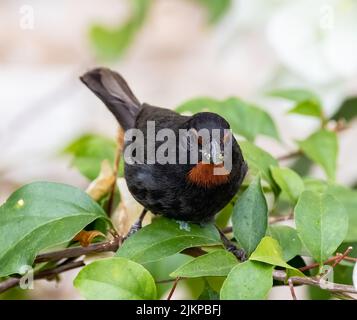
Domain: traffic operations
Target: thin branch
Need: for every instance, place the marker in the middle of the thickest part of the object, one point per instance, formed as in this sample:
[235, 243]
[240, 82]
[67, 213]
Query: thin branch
[173, 288]
[292, 290]
[118, 152]
[8, 284]
[342, 256]
[13, 282]
[280, 275]
[275, 219]
[351, 259]
[316, 265]
[335, 259]
[112, 245]
[164, 281]
[289, 156]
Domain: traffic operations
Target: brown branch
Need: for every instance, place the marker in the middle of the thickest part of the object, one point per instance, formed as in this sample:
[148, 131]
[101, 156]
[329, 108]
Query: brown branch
[342, 256]
[173, 288]
[118, 152]
[112, 245]
[280, 275]
[289, 156]
[335, 259]
[292, 290]
[49, 273]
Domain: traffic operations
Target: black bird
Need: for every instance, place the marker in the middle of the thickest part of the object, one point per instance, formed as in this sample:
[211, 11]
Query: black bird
[185, 192]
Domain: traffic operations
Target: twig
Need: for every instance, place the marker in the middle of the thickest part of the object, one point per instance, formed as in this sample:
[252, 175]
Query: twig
[112, 245]
[13, 282]
[280, 275]
[292, 290]
[340, 257]
[118, 152]
[173, 288]
[168, 280]
[336, 259]
[351, 259]
[276, 219]
[289, 156]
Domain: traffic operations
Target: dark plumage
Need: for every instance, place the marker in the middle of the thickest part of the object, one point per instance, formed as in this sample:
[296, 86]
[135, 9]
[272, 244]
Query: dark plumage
[168, 189]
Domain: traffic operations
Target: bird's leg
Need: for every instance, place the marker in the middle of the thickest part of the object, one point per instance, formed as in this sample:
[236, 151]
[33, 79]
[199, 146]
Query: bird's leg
[137, 225]
[230, 246]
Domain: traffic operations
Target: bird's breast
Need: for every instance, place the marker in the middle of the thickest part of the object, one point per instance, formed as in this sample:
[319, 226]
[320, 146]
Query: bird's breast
[208, 175]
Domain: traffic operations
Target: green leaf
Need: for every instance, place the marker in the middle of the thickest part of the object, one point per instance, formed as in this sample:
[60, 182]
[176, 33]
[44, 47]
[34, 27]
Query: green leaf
[347, 111]
[161, 269]
[39, 216]
[288, 240]
[322, 147]
[321, 222]
[115, 279]
[308, 108]
[165, 237]
[245, 119]
[289, 182]
[307, 103]
[250, 217]
[208, 294]
[206, 265]
[302, 165]
[249, 280]
[88, 153]
[223, 217]
[269, 251]
[216, 9]
[259, 162]
[346, 196]
[296, 95]
[111, 43]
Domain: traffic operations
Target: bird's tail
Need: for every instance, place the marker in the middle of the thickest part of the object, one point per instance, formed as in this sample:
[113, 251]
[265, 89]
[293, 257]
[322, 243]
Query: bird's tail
[112, 89]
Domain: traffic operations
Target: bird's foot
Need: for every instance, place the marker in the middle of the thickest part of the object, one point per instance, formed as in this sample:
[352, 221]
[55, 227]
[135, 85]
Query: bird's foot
[137, 225]
[134, 228]
[239, 253]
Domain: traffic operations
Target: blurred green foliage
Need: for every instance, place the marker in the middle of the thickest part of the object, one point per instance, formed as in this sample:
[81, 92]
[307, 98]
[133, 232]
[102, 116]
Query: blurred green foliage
[111, 42]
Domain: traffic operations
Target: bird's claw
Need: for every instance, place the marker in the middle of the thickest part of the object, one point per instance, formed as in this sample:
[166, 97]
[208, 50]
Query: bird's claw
[239, 253]
[134, 228]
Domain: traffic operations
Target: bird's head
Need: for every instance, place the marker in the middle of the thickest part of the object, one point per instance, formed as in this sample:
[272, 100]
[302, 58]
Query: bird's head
[211, 139]
[212, 136]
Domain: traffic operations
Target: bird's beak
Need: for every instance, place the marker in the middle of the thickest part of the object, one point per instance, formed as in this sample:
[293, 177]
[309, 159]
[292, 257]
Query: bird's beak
[217, 155]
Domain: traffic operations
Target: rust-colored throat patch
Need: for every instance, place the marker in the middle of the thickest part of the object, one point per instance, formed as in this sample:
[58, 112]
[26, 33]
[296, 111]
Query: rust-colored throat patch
[202, 174]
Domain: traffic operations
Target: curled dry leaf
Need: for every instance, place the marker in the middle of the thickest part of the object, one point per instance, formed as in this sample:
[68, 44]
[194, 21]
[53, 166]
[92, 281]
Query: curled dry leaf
[104, 182]
[128, 211]
[85, 238]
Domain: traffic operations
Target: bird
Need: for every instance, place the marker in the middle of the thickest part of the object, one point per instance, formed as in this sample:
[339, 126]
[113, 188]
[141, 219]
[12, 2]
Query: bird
[188, 192]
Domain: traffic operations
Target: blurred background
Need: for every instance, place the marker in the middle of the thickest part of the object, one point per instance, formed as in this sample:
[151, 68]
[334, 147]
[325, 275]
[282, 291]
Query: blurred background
[169, 51]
